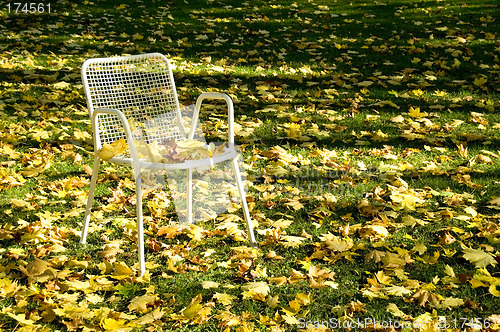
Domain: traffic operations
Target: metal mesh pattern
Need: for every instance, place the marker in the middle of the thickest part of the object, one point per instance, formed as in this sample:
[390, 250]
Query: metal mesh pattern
[143, 89]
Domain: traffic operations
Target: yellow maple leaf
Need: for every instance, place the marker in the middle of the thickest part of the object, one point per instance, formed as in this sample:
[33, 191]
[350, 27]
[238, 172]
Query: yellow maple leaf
[190, 144]
[20, 318]
[334, 243]
[278, 281]
[495, 201]
[138, 36]
[273, 301]
[94, 298]
[392, 260]
[225, 299]
[255, 290]
[394, 310]
[195, 153]
[397, 291]
[414, 112]
[150, 317]
[489, 36]
[406, 200]
[194, 308]
[79, 285]
[418, 92]
[493, 290]
[365, 83]
[214, 150]
[450, 303]
[296, 276]
[170, 231]
[277, 152]
[290, 319]
[479, 258]
[291, 241]
[480, 81]
[139, 303]
[380, 136]
[293, 130]
[304, 299]
[276, 170]
[294, 203]
[398, 119]
[122, 269]
[209, 284]
[37, 267]
[111, 249]
[110, 324]
[383, 278]
[320, 273]
[36, 169]
[109, 151]
[484, 159]
[373, 232]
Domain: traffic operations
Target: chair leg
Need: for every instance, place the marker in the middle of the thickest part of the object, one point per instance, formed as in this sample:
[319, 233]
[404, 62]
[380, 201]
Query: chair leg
[90, 200]
[189, 198]
[243, 197]
[140, 228]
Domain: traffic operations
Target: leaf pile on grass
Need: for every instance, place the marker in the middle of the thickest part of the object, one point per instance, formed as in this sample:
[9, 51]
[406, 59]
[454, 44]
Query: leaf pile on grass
[370, 135]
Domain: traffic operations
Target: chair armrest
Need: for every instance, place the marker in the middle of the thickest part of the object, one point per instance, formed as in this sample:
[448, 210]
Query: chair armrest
[230, 110]
[128, 135]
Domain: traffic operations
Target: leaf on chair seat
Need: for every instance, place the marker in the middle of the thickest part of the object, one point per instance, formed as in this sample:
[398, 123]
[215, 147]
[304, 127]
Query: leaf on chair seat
[216, 150]
[195, 154]
[109, 151]
[156, 152]
[190, 144]
[165, 151]
[193, 149]
[172, 151]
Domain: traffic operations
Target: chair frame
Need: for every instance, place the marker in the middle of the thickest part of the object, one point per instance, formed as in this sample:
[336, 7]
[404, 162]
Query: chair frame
[138, 164]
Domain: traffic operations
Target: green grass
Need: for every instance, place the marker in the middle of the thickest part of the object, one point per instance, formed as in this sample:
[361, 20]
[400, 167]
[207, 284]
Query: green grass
[340, 73]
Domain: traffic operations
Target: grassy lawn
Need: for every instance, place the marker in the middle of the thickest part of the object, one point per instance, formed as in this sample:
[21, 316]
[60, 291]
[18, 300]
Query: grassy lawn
[370, 137]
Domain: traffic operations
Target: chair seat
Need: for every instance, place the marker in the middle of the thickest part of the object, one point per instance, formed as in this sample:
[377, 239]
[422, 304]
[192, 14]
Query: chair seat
[229, 154]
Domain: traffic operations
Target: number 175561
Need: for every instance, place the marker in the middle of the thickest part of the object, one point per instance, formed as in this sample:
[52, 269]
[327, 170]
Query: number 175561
[28, 7]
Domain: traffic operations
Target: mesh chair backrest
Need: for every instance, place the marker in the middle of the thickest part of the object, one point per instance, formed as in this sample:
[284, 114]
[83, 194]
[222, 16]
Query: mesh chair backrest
[143, 88]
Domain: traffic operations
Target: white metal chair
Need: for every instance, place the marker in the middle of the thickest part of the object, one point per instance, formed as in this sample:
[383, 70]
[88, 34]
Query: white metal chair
[123, 93]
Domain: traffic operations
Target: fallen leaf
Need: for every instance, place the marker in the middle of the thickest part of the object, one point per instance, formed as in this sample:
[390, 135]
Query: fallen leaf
[479, 258]
[140, 303]
[114, 149]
